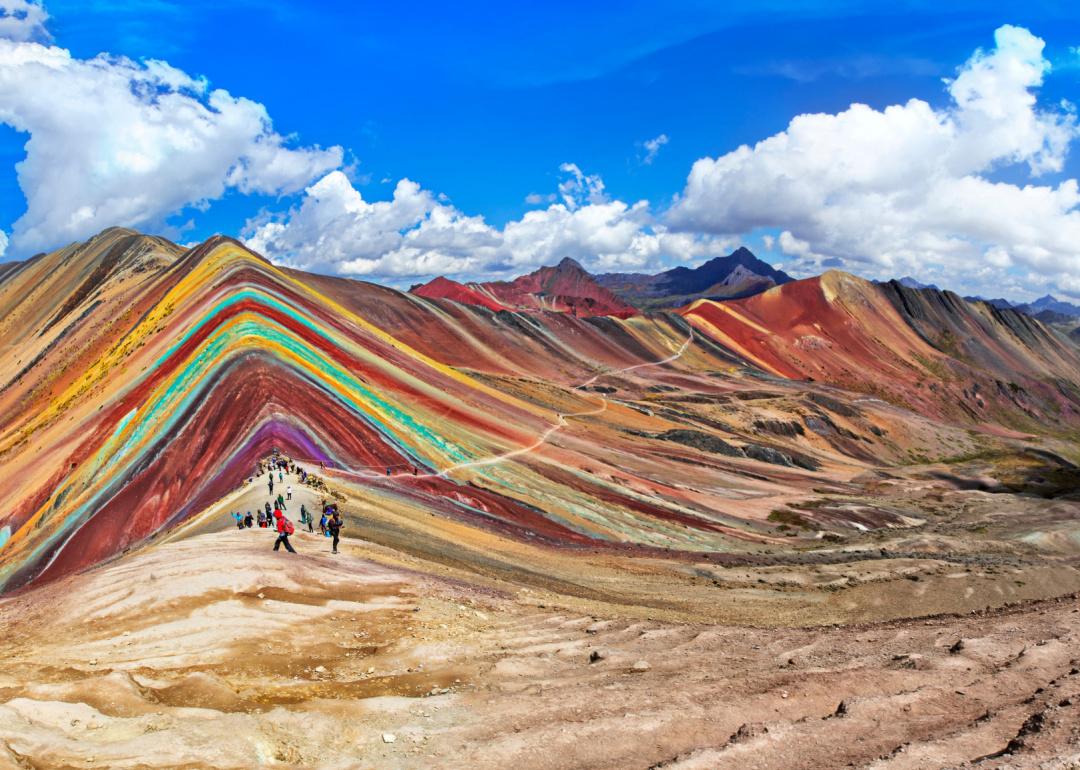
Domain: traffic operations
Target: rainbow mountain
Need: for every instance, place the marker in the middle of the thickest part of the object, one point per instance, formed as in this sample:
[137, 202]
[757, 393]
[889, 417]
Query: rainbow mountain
[141, 382]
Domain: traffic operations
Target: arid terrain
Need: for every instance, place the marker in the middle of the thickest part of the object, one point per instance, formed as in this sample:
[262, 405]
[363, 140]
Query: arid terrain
[215, 651]
[832, 524]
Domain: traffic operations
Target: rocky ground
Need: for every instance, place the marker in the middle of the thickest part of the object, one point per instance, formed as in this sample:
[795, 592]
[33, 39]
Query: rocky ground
[214, 651]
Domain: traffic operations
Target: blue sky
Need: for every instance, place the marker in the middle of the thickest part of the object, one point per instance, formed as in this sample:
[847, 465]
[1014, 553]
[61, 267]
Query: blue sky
[481, 104]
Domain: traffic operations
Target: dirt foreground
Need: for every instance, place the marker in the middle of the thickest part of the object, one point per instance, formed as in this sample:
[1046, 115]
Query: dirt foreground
[214, 651]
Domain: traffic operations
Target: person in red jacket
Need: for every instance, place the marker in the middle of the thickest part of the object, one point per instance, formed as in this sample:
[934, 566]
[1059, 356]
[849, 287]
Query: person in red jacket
[284, 529]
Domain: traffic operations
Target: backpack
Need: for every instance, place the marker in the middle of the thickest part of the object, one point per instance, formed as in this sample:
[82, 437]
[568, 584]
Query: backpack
[288, 527]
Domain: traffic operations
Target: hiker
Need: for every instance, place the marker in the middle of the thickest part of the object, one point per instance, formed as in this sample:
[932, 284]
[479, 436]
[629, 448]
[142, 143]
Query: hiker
[288, 492]
[388, 470]
[271, 487]
[249, 520]
[280, 476]
[310, 521]
[414, 470]
[262, 519]
[322, 523]
[267, 509]
[334, 525]
[281, 501]
[239, 520]
[284, 529]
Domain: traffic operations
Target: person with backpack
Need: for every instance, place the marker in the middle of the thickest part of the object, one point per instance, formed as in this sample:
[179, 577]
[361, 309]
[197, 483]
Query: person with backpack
[249, 520]
[239, 520]
[262, 519]
[322, 523]
[334, 525]
[288, 492]
[284, 529]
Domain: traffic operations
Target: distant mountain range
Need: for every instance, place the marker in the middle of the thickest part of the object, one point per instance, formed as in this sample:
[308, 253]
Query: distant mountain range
[1049, 304]
[914, 283]
[1048, 309]
[739, 274]
[569, 288]
[565, 288]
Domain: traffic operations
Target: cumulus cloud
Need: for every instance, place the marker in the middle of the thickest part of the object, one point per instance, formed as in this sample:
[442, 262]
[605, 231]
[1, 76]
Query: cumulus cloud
[652, 148]
[910, 186]
[23, 20]
[116, 142]
[415, 233]
[3, 243]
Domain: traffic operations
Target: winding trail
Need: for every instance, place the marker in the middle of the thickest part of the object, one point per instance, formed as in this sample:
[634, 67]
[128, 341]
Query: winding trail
[543, 437]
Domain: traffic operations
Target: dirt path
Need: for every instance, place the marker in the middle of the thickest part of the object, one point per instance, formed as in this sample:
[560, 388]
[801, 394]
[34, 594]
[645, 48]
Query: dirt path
[541, 439]
[250, 497]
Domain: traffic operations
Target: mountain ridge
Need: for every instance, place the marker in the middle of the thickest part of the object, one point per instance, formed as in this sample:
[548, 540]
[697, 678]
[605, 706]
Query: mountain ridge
[736, 275]
[986, 364]
[565, 287]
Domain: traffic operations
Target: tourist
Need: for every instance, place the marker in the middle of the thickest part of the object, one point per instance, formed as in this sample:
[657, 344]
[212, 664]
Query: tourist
[239, 520]
[284, 529]
[249, 520]
[334, 525]
[262, 519]
[288, 492]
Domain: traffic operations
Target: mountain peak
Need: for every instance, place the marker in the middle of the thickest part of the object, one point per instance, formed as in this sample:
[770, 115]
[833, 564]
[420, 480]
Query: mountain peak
[739, 274]
[569, 263]
[567, 287]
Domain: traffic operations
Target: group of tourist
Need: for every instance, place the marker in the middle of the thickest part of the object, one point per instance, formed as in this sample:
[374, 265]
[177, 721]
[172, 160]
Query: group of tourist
[272, 515]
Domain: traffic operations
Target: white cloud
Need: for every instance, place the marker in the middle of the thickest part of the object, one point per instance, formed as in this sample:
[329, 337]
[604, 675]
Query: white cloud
[794, 247]
[536, 199]
[3, 242]
[909, 187]
[652, 148]
[415, 234]
[115, 142]
[23, 20]
[579, 188]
